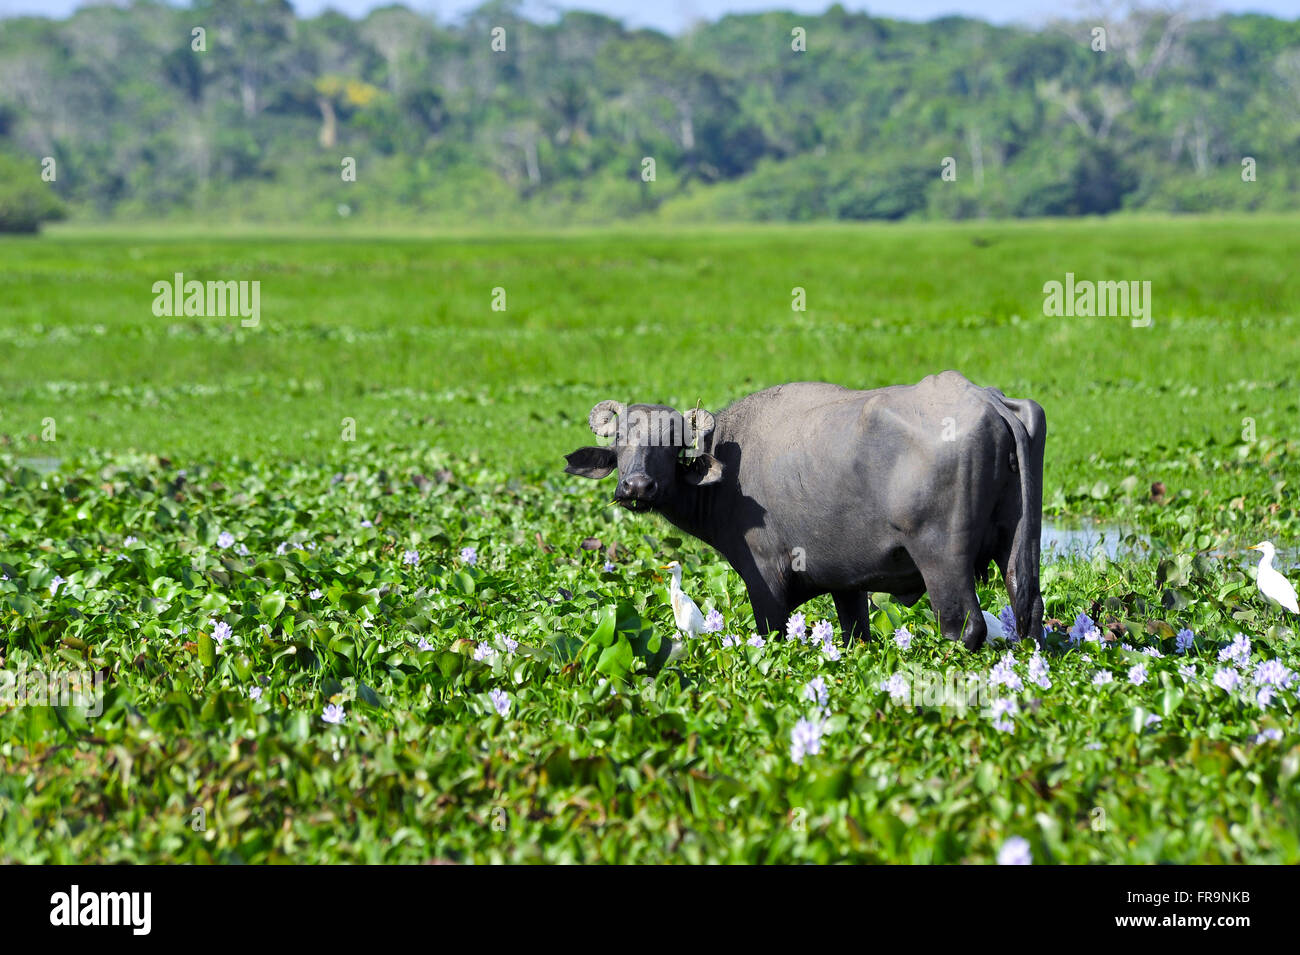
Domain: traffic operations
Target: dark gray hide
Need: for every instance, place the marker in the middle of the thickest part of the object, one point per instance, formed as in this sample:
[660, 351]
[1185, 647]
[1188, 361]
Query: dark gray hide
[811, 488]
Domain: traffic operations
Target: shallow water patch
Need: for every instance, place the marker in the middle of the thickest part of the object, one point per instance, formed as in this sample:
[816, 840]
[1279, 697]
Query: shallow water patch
[1086, 540]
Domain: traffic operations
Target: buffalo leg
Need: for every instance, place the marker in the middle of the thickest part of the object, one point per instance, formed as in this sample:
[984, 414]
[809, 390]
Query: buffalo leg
[771, 606]
[851, 607]
[951, 586]
[1025, 597]
[1025, 603]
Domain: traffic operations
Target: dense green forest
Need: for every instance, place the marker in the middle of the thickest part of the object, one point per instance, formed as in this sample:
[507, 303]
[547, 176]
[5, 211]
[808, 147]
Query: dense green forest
[238, 110]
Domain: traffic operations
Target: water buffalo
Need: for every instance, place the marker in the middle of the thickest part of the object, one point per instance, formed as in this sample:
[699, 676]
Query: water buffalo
[811, 488]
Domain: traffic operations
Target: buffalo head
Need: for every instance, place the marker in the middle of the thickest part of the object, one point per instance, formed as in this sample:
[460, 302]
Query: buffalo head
[655, 449]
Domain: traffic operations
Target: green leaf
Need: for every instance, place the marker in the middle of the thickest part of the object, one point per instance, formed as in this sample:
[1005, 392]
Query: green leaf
[353, 601]
[1170, 700]
[207, 650]
[273, 605]
[1138, 721]
[165, 588]
[603, 635]
[616, 660]
[270, 570]
[449, 664]
[1289, 767]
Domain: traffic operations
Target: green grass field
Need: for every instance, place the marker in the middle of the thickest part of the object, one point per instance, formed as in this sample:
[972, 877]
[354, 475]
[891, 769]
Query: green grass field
[343, 582]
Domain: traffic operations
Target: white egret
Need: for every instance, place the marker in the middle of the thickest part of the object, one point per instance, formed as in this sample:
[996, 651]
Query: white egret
[1271, 583]
[687, 616]
[994, 627]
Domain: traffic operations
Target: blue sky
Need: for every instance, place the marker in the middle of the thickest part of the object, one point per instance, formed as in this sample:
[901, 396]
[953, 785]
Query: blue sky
[672, 15]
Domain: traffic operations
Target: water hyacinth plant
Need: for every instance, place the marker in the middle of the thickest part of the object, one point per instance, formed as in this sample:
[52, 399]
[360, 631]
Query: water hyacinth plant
[453, 627]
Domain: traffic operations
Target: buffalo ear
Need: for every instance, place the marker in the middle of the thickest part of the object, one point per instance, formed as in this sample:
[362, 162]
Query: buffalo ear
[702, 470]
[594, 463]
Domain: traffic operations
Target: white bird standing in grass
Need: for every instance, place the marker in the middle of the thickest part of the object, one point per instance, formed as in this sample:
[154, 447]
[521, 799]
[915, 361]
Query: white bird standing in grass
[994, 626]
[1271, 583]
[687, 616]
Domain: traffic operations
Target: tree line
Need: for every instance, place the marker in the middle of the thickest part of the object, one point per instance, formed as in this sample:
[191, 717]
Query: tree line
[239, 109]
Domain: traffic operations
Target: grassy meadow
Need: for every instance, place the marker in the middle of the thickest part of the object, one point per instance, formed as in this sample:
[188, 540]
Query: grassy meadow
[359, 503]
